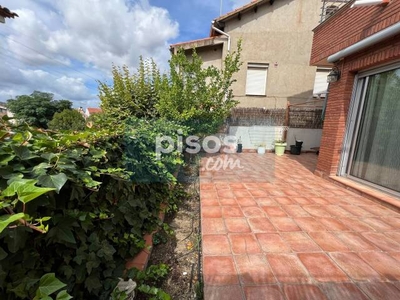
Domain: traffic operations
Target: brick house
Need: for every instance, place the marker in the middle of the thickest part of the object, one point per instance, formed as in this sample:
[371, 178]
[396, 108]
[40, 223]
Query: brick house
[91, 111]
[360, 143]
[276, 41]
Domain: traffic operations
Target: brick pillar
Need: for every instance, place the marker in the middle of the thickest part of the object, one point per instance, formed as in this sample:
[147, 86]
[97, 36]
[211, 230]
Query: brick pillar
[340, 93]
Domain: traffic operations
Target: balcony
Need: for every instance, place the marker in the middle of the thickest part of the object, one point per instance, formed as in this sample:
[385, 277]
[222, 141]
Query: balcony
[329, 7]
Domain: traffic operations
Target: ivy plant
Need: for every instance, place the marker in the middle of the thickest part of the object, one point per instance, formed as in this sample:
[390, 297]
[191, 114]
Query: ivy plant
[77, 204]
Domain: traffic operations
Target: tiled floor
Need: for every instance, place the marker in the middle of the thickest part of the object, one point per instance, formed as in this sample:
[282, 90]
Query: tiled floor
[273, 230]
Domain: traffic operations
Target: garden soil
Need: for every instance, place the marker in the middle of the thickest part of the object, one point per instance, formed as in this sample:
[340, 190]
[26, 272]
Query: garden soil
[181, 251]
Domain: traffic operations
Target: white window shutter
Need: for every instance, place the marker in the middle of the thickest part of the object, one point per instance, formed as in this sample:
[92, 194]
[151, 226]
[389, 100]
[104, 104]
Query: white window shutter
[256, 80]
[321, 83]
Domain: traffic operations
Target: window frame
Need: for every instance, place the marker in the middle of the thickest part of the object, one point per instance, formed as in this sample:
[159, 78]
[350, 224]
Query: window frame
[261, 67]
[325, 70]
[360, 86]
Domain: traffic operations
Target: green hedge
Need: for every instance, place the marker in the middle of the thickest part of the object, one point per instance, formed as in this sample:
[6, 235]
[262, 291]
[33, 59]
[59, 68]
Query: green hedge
[93, 193]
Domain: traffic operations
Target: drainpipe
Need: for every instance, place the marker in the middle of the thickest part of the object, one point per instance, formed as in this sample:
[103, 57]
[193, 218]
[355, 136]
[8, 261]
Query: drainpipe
[229, 45]
[223, 33]
[367, 42]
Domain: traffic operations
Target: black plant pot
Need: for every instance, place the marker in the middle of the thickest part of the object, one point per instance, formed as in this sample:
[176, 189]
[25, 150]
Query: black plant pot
[239, 148]
[296, 150]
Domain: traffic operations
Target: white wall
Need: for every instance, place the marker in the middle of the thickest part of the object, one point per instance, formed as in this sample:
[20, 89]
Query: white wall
[310, 137]
[253, 136]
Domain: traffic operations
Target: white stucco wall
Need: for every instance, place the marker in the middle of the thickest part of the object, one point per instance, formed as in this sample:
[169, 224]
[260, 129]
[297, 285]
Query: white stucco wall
[279, 35]
[310, 137]
[253, 136]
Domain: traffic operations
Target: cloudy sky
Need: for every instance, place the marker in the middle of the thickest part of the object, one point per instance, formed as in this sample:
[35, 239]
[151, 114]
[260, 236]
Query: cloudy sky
[64, 46]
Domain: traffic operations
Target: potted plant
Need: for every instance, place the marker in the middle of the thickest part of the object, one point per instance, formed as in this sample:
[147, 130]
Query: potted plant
[239, 145]
[261, 149]
[280, 146]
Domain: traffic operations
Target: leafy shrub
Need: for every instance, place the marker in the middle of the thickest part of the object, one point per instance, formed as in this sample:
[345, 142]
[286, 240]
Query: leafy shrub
[95, 193]
[148, 279]
[68, 119]
[132, 94]
[197, 97]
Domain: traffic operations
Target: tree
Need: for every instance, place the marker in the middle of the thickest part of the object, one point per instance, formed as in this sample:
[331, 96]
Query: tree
[37, 109]
[68, 119]
[132, 94]
[61, 105]
[196, 96]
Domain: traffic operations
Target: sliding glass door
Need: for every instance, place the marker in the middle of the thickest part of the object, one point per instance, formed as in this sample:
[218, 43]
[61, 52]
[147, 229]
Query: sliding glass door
[374, 155]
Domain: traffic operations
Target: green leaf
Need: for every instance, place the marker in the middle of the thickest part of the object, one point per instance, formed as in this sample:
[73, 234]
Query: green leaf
[19, 137]
[107, 251]
[49, 156]
[53, 181]
[41, 169]
[20, 290]
[91, 264]
[16, 239]
[3, 254]
[98, 153]
[4, 159]
[63, 295]
[92, 283]
[7, 219]
[3, 134]
[22, 152]
[67, 271]
[48, 285]
[14, 177]
[25, 189]
[11, 190]
[65, 234]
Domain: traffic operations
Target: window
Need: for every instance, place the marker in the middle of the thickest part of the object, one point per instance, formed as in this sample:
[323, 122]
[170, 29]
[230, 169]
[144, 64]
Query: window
[321, 83]
[256, 79]
[373, 141]
[330, 10]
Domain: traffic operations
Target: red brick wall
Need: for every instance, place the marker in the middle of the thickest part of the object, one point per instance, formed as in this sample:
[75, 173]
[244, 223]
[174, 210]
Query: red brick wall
[351, 25]
[341, 91]
[335, 124]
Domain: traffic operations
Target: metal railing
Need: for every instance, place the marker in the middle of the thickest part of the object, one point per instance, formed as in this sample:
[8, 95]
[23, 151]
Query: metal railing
[329, 7]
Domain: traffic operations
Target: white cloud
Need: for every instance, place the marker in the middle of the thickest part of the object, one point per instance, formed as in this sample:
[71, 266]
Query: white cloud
[105, 32]
[27, 40]
[61, 86]
[52, 38]
[19, 81]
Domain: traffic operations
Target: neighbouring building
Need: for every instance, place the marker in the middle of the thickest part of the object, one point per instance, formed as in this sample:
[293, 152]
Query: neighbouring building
[276, 40]
[92, 110]
[360, 143]
[3, 110]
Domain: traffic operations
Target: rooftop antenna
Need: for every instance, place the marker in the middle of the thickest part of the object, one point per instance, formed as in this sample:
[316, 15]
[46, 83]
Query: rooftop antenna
[220, 8]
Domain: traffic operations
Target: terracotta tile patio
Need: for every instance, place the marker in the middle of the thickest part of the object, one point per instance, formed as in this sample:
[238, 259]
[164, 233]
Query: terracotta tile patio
[273, 230]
